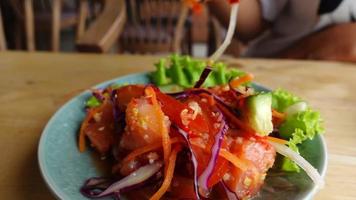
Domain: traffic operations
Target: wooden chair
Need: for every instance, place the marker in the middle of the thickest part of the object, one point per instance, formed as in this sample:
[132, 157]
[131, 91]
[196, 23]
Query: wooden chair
[140, 26]
[51, 17]
[2, 35]
[104, 31]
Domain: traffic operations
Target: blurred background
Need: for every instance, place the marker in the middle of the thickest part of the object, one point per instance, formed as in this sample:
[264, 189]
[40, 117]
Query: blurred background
[318, 30]
[108, 26]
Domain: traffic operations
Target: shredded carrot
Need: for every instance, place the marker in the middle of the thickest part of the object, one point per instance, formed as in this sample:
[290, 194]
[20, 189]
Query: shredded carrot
[149, 91]
[277, 140]
[210, 98]
[169, 175]
[278, 115]
[81, 140]
[237, 162]
[147, 148]
[241, 80]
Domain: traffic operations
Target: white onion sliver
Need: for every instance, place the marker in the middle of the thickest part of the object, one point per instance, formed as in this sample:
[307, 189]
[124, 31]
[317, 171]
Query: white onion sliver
[229, 34]
[295, 108]
[305, 165]
[136, 177]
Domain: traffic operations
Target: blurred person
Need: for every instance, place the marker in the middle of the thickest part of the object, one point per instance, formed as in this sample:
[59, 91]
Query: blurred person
[298, 29]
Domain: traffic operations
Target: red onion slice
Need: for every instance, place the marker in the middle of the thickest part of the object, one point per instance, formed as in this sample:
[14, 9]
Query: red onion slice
[119, 121]
[137, 177]
[187, 93]
[206, 174]
[99, 94]
[203, 77]
[192, 158]
[203, 179]
[119, 117]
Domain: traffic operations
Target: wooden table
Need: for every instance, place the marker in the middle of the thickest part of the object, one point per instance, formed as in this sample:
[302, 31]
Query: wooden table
[34, 85]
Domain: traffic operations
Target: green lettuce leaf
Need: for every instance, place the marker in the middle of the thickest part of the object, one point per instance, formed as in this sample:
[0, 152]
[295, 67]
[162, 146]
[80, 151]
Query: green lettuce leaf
[297, 138]
[160, 75]
[192, 69]
[92, 102]
[176, 72]
[298, 128]
[308, 121]
[283, 99]
[185, 72]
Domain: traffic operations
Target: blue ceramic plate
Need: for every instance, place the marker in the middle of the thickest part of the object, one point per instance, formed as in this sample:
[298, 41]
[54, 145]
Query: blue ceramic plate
[65, 169]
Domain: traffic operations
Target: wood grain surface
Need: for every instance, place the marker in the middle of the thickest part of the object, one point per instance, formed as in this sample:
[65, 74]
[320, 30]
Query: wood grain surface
[34, 85]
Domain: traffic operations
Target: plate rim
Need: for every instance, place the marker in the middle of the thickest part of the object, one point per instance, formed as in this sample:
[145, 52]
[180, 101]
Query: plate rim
[57, 192]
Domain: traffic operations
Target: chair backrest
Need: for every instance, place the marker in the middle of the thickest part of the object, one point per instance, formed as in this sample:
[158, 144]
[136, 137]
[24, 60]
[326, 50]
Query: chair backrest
[2, 35]
[104, 31]
[155, 26]
[139, 26]
[25, 12]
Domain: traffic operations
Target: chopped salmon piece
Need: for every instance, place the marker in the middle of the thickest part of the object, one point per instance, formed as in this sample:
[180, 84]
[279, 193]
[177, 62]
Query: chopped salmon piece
[100, 129]
[260, 156]
[142, 124]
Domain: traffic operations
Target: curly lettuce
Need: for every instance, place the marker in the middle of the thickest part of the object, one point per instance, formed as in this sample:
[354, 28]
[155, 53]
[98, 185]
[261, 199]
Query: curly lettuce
[298, 127]
[185, 71]
[308, 121]
[282, 99]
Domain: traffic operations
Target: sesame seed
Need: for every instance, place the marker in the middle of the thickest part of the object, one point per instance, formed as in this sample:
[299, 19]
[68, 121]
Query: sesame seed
[185, 117]
[152, 156]
[239, 140]
[146, 137]
[219, 117]
[217, 125]
[263, 176]
[205, 136]
[226, 88]
[227, 176]
[143, 124]
[229, 140]
[135, 111]
[247, 182]
[97, 116]
[132, 164]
